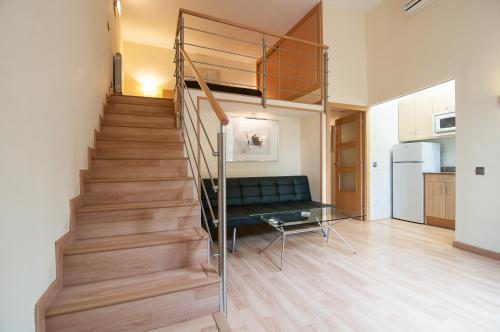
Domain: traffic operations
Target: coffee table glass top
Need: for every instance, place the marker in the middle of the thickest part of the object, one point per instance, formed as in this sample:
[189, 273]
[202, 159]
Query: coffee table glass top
[306, 216]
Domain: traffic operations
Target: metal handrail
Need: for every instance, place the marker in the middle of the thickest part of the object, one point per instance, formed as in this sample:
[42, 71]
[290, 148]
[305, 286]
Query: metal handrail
[221, 51]
[182, 59]
[195, 151]
[245, 27]
[224, 36]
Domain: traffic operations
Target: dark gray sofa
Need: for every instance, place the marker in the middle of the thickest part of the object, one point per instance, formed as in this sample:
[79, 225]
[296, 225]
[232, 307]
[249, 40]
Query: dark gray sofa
[252, 195]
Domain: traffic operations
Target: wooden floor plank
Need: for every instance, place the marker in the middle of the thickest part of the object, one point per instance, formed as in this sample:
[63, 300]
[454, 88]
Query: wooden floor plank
[404, 277]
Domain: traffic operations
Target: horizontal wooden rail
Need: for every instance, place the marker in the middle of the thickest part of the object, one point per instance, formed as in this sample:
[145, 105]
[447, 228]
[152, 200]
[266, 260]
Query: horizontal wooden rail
[221, 115]
[245, 27]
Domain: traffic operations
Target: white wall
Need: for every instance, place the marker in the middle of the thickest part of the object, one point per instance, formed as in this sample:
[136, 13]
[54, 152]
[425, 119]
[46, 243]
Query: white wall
[451, 39]
[152, 65]
[344, 30]
[311, 155]
[383, 130]
[55, 70]
[299, 142]
[289, 154]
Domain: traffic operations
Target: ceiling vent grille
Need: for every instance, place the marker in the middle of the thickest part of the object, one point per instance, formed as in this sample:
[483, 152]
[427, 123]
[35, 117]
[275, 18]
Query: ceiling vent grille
[412, 7]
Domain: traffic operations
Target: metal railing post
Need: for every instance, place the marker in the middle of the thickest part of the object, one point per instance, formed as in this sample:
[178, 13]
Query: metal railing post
[221, 146]
[325, 81]
[181, 59]
[264, 84]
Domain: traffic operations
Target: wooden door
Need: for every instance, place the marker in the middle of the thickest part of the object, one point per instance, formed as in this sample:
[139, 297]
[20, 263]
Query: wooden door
[435, 204]
[348, 168]
[406, 120]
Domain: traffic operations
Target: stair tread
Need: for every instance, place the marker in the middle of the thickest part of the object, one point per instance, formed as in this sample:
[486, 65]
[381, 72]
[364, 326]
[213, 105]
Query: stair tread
[139, 100]
[136, 205]
[139, 126]
[107, 139]
[200, 324]
[105, 293]
[138, 158]
[110, 180]
[134, 241]
[133, 139]
[166, 115]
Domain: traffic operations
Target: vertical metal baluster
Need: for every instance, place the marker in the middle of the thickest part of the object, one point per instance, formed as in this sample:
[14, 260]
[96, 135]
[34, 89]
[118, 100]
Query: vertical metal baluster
[264, 83]
[221, 146]
[181, 58]
[325, 81]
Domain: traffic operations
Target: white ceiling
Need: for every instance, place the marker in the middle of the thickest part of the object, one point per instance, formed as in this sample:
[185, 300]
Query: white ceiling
[153, 22]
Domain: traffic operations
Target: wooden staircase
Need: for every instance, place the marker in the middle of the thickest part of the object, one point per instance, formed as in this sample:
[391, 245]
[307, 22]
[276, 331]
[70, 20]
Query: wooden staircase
[139, 261]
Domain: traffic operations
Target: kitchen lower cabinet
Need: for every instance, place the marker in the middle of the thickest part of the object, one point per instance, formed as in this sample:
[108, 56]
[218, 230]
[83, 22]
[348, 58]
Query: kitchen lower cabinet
[440, 200]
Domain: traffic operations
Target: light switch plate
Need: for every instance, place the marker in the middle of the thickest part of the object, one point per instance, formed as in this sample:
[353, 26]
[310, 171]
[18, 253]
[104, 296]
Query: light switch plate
[480, 171]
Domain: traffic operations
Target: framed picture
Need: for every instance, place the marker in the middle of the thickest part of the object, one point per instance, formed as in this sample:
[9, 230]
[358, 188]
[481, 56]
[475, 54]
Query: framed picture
[252, 139]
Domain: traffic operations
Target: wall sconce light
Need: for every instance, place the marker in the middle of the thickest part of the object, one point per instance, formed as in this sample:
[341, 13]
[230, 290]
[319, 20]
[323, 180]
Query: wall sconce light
[118, 8]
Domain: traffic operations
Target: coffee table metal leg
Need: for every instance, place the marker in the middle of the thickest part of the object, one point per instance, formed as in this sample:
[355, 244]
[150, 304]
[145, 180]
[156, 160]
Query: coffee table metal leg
[270, 243]
[283, 237]
[342, 238]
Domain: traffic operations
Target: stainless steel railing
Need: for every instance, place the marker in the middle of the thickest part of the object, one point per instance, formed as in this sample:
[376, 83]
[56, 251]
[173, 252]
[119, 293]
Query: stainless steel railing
[313, 73]
[194, 134]
[282, 67]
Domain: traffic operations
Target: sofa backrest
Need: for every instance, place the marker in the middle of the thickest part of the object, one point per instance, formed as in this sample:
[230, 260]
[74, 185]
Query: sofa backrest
[261, 190]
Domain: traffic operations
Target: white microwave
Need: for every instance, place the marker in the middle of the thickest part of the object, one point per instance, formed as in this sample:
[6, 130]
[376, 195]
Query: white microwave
[444, 123]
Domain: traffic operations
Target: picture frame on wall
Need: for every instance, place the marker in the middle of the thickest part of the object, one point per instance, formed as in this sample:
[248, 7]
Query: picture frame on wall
[249, 139]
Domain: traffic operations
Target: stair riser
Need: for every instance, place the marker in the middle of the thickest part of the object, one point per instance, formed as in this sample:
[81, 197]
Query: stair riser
[139, 121]
[141, 100]
[109, 168]
[142, 315]
[139, 153]
[141, 134]
[126, 192]
[127, 222]
[92, 267]
[109, 145]
[149, 110]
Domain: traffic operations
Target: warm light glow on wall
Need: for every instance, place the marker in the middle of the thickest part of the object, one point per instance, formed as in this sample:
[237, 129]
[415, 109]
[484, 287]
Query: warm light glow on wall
[149, 86]
[118, 8]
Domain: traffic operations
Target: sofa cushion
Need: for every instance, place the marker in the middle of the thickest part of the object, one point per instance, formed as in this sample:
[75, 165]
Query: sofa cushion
[255, 195]
[261, 190]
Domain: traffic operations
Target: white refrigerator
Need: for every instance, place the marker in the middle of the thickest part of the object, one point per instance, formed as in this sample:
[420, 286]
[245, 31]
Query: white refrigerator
[409, 163]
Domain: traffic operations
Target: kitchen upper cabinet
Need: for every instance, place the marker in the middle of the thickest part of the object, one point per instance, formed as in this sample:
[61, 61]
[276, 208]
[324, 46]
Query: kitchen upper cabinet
[416, 114]
[407, 120]
[415, 119]
[440, 200]
[423, 117]
[444, 100]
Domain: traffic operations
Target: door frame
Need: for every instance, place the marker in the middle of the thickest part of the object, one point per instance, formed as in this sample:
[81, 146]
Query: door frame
[332, 106]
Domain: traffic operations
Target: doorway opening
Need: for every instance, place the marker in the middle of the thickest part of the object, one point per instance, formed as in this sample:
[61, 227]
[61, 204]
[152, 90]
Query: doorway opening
[346, 154]
[412, 157]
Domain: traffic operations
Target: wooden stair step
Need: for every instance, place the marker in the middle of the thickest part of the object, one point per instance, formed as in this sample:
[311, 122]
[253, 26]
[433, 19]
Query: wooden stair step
[132, 120]
[122, 144]
[139, 168]
[137, 221]
[140, 134]
[215, 322]
[134, 206]
[136, 303]
[142, 110]
[87, 246]
[119, 190]
[124, 99]
[105, 258]
[112, 180]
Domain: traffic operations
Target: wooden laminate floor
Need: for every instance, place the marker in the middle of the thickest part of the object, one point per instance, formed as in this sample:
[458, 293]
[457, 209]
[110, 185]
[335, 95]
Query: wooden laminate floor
[404, 277]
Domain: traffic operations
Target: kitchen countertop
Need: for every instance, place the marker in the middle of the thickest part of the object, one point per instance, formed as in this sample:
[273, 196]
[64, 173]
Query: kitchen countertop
[444, 173]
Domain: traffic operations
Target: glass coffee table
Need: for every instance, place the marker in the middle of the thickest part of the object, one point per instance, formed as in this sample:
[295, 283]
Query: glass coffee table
[322, 219]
